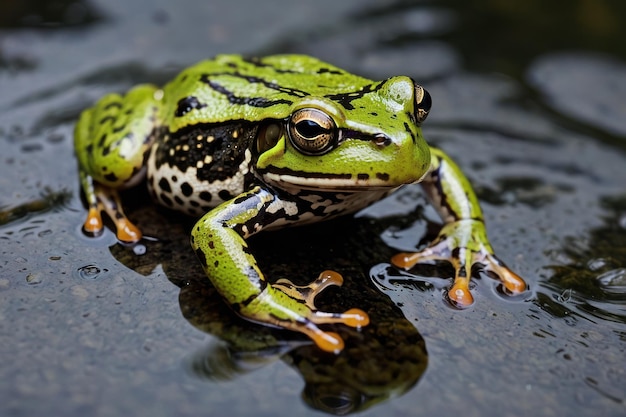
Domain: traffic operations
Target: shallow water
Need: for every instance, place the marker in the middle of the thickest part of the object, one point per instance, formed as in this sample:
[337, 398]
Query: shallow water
[528, 99]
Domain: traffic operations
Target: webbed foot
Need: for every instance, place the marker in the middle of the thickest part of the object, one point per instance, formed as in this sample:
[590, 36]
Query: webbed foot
[279, 299]
[464, 244]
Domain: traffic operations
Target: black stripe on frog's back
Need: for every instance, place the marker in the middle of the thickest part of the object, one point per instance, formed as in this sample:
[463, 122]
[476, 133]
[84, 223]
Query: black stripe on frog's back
[345, 99]
[214, 151]
[238, 100]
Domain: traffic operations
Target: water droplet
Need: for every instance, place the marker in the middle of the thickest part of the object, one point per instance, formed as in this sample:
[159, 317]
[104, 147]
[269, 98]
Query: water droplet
[90, 272]
[613, 281]
[139, 249]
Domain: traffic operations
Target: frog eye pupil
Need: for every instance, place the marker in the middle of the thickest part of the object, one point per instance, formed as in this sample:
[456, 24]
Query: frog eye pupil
[310, 129]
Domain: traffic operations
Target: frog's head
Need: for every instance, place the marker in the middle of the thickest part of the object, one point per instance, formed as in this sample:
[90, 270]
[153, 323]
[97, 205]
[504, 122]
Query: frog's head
[349, 141]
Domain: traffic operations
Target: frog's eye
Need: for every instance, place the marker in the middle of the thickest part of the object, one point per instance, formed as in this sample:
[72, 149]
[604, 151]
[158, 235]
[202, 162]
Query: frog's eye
[422, 103]
[312, 131]
[268, 136]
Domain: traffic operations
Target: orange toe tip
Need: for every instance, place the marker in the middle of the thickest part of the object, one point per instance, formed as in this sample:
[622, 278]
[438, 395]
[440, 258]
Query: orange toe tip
[331, 277]
[356, 318]
[93, 226]
[329, 341]
[404, 260]
[515, 287]
[128, 233]
[461, 297]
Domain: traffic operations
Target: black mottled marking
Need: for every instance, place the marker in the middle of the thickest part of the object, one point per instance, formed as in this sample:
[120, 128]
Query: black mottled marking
[225, 195]
[107, 119]
[106, 150]
[201, 257]
[105, 168]
[168, 201]
[118, 129]
[110, 177]
[185, 151]
[382, 176]
[249, 300]
[186, 189]
[261, 102]
[216, 263]
[345, 99]
[329, 71]
[211, 244]
[103, 139]
[205, 196]
[374, 113]
[89, 148]
[179, 200]
[363, 176]
[174, 178]
[112, 104]
[257, 80]
[187, 104]
[164, 185]
[258, 63]
[194, 203]
[410, 132]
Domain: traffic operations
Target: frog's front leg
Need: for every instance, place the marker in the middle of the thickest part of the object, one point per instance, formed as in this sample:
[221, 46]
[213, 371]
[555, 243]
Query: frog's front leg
[462, 240]
[219, 240]
[112, 141]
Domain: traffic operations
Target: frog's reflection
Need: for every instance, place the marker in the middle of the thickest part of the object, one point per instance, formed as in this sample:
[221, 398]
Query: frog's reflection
[381, 361]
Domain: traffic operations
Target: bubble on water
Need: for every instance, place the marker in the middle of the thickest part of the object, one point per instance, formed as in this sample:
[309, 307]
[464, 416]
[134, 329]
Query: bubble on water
[613, 281]
[90, 271]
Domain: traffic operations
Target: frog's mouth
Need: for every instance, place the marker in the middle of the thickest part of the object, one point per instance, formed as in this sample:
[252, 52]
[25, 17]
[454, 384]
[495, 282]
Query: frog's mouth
[286, 178]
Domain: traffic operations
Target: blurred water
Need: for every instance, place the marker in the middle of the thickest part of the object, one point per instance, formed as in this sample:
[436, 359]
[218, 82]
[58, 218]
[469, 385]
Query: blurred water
[528, 98]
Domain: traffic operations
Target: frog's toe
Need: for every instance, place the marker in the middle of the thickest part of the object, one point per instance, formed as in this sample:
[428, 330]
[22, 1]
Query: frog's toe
[510, 280]
[330, 341]
[307, 293]
[459, 294]
[127, 232]
[327, 341]
[93, 225]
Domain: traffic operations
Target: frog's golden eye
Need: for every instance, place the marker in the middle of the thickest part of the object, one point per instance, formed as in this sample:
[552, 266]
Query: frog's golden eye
[422, 103]
[312, 131]
[268, 136]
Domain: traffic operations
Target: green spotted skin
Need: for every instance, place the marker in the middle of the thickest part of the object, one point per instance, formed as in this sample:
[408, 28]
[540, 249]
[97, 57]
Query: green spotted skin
[254, 144]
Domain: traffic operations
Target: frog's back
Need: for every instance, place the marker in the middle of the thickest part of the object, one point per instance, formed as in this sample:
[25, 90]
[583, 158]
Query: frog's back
[230, 87]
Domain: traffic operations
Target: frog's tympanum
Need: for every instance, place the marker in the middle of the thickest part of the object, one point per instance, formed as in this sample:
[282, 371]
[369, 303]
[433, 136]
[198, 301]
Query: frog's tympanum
[259, 144]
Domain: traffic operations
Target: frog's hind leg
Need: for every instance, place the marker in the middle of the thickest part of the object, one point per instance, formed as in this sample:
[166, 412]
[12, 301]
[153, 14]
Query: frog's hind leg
[109, 201]
[104, 199]
[93, 225]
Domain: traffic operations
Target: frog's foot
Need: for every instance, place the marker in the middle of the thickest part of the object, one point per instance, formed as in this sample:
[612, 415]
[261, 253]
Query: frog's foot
[109, 202]
[93, 225]
[309, 317]
[307, 293]
[464, 244]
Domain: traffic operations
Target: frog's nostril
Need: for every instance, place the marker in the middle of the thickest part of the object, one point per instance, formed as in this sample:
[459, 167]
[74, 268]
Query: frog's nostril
[381, 140]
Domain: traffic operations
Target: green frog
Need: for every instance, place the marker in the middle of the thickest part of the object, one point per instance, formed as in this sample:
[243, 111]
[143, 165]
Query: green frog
[248, 145]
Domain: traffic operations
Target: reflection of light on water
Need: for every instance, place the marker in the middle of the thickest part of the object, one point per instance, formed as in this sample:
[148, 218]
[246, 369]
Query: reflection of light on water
[613, 281]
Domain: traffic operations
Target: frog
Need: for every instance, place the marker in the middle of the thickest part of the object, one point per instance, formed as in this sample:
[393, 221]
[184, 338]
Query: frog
[255, 144]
